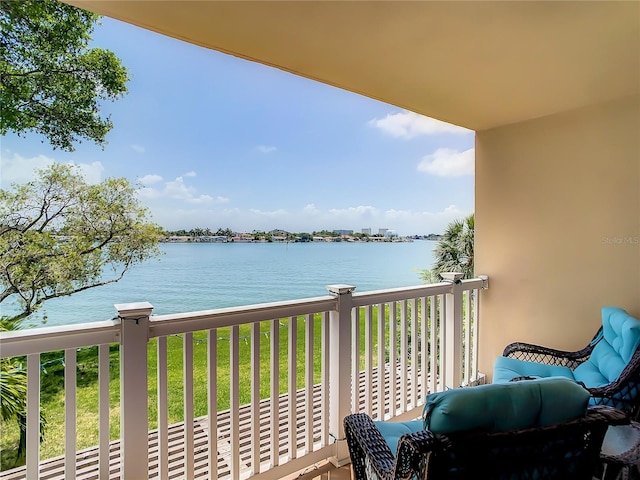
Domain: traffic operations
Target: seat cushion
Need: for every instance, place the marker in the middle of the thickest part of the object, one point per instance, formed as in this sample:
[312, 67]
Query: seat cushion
[620, 339]
[507, 368]
[392, 431]
[505, 406]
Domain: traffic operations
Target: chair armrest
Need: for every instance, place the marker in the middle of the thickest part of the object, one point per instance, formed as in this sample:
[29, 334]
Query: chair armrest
[612, 415]
[415, 449]
[365, 441]
[372, 458]
[549, 356]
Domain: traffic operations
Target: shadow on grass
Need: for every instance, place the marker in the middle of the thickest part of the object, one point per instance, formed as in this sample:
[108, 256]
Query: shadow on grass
[52, 370]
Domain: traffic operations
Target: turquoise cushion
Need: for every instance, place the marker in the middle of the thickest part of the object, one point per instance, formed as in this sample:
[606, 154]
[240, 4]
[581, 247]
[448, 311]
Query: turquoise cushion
[507, 368]
[620, 339]
[392, 431]
[505, 406]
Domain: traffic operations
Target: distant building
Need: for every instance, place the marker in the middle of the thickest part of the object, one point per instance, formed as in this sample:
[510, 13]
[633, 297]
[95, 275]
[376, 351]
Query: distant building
[366, 231]
[343, 232]
[212, 239]
[382, 231]
[390, 234]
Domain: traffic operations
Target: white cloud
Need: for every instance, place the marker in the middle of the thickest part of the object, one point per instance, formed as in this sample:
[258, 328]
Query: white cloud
[150, 179]
[138, 148]
[157, 192]
[147, 193]
[177, 190]
[18, 169]
[406, 124]
[310, 209]
[272, 213]
[446, 162]
[266, 148]
[92, 173]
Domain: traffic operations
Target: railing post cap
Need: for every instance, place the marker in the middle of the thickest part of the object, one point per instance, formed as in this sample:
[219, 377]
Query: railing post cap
[453, 276]
[136, 309]
[340, 289]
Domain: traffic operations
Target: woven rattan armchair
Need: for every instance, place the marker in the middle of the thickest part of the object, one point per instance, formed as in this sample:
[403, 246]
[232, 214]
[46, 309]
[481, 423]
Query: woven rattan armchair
[622, 392]
[564, 451]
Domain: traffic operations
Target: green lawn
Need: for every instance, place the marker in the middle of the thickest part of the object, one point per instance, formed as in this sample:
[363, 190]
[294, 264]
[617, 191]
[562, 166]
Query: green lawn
[52, 378]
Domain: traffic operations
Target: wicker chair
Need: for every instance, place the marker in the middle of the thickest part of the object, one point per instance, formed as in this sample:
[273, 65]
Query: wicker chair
[622, 392]
[563, 451]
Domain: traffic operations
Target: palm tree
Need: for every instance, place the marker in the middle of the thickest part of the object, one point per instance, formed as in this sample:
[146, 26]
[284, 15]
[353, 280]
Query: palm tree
[454, 251]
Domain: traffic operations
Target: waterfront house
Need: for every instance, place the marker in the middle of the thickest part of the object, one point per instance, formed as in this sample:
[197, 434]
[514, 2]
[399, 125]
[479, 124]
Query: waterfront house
[552, 90]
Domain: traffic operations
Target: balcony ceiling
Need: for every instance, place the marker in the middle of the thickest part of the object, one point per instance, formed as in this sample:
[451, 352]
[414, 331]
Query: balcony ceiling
[476, 64]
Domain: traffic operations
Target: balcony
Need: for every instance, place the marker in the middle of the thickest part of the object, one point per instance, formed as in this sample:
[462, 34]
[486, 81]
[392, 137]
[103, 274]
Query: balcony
[273, 380]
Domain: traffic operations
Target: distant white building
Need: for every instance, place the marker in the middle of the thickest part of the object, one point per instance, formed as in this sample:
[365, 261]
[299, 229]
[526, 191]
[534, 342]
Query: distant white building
[390, 234]
[366, 231]
[382, 231]
[212, 239]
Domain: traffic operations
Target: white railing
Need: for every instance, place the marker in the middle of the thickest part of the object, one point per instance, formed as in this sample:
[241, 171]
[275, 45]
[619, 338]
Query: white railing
[274, 380]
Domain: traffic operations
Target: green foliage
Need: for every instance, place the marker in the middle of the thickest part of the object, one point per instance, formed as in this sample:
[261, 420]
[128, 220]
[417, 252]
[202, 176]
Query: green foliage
[13, 397]
[454, 251]
[60, 235]
[51, 82]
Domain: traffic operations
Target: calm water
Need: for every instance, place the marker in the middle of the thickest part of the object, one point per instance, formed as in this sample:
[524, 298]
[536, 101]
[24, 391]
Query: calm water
[190, 277]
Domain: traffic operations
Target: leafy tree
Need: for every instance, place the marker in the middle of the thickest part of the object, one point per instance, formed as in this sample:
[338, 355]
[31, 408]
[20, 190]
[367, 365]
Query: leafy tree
[224, 232]
[60, 235]
[454, 251]
[51, 82]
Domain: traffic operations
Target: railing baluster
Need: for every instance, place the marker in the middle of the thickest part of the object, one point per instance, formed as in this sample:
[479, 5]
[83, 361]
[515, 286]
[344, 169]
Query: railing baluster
[187, 353]
[255, 397]
[467, 336]
[234, 356]
[393, 359]
[404, 356]
[104, 375]
[293, 370]
[368, 359]
[163, 409]
[435, 344]
[275, 393]
[474, 350]
[382, 390]
[212, 400]
[415, 342]
[324, 372]
[355, 359]
[33, 416]
[70, 413]
[308, 369]
[424, 348]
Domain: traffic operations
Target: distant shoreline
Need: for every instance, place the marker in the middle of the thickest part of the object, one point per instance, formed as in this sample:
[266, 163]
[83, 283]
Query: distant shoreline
[216, 239]
[280, 239]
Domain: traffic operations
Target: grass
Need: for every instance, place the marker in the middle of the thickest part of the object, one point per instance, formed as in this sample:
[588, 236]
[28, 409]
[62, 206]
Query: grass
[52, 382]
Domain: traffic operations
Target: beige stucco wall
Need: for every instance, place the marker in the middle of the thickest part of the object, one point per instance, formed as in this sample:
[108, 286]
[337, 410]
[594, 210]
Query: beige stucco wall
[558, 225]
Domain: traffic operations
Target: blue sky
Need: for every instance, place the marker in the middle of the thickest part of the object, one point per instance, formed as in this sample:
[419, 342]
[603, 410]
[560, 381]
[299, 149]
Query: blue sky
[219, 142]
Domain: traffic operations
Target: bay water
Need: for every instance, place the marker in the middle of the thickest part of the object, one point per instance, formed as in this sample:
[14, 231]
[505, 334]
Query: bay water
[201, 276]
